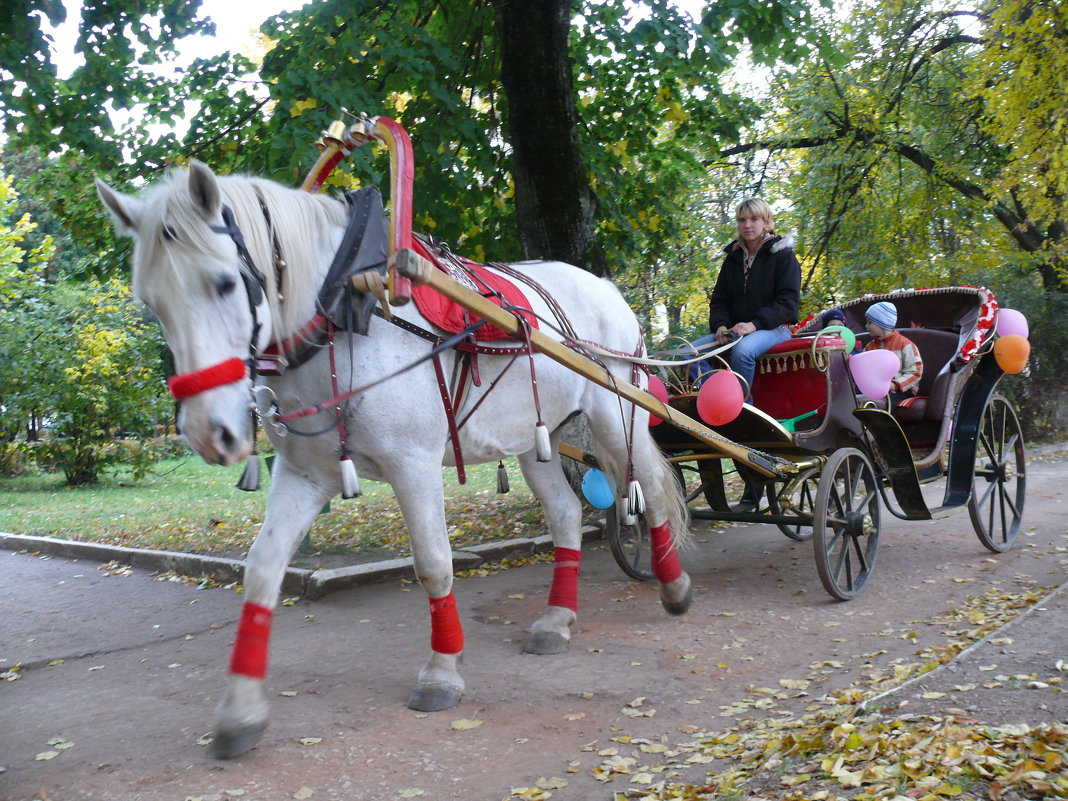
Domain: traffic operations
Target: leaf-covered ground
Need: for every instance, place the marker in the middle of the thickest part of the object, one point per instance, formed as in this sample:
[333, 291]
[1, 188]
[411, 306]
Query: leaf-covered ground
[790, 746]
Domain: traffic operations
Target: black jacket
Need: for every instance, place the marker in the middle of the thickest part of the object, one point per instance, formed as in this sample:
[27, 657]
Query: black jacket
[768, 296]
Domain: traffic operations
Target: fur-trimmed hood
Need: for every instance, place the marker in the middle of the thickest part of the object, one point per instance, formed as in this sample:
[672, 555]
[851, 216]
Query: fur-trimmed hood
[776, 241]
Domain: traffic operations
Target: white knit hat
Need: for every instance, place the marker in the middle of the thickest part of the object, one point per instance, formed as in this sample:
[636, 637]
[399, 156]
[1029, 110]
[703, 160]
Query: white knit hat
[883, 314]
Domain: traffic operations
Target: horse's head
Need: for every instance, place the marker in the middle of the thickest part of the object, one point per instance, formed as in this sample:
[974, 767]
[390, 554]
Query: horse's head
[190, 269]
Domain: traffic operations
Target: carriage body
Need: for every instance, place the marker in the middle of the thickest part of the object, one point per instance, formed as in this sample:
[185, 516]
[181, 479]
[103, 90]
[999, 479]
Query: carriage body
[848, 454]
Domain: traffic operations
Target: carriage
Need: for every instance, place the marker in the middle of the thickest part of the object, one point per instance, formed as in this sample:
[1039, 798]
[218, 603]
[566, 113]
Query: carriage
[806, 407]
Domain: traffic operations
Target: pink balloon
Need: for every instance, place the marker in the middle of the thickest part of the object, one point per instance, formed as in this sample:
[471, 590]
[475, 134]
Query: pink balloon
[873, 370]
[657, 388]
[720, 399]
[1012, 322]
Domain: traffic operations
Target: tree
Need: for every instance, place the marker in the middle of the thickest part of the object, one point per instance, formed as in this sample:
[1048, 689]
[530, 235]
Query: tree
[85, 362]
[899, 112]
[440, 67]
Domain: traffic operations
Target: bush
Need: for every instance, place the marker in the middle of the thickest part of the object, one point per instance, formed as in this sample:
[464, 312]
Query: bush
[84, 359]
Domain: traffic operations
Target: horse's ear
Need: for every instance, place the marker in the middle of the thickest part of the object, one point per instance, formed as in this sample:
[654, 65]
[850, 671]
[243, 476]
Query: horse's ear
[204, 189]
[126, 211]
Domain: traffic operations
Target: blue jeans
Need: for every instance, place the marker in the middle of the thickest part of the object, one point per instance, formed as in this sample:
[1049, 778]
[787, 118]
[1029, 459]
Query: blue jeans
[744, 354]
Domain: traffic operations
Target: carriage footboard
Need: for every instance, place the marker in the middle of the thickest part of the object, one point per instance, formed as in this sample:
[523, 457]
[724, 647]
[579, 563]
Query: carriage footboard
[893, 460]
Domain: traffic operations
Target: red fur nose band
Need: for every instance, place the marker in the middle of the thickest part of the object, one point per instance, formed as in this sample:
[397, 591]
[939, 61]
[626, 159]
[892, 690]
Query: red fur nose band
[187, 385]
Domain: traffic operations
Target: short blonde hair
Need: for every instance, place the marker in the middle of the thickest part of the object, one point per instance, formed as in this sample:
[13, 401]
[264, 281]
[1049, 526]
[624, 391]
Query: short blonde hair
[759, 207]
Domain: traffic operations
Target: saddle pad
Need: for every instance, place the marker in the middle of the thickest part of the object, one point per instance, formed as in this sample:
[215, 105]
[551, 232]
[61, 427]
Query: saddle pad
[453, 318]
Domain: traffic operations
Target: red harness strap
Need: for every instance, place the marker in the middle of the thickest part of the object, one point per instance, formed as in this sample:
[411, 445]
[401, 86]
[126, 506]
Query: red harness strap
[187, 385]
[564, 591]
[446, 633]
[666, 565]
[250, 645]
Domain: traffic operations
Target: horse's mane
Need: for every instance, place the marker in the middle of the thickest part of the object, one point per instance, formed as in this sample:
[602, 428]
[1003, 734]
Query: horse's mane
[300, 221]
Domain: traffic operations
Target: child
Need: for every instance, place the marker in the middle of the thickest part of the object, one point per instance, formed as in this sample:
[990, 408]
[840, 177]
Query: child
[881, 318]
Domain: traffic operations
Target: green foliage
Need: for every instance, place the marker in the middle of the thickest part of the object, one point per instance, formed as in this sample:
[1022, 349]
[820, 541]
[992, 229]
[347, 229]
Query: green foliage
[20, 258]
[84, 362]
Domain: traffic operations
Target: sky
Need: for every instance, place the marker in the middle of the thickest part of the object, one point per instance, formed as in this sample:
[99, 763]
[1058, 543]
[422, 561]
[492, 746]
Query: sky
[236, 25]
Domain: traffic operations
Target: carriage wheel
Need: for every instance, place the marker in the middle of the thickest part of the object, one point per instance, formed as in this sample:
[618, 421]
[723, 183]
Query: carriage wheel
[997, 500]
[802, 502]
[630, 545]
[846, 523]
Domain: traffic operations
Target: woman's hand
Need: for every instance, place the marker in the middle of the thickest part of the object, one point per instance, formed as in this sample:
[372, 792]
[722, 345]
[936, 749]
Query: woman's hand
[741, 329]
[722, 337]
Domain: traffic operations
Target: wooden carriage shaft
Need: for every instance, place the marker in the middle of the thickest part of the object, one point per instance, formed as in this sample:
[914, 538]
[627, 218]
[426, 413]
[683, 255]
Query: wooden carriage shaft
[408, 263]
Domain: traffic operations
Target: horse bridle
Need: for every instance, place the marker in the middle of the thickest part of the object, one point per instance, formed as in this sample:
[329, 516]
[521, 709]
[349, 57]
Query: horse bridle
[186, 385]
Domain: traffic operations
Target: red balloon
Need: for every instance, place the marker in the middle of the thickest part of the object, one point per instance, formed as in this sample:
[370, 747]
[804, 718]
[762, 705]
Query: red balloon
[1011, 353]
[657, 388]
[720, 398]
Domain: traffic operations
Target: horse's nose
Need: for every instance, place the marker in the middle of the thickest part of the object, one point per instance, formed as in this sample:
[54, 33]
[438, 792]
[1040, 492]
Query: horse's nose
[226, 446]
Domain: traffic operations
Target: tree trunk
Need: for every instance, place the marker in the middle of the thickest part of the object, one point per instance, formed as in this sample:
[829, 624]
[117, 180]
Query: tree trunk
[555, 204]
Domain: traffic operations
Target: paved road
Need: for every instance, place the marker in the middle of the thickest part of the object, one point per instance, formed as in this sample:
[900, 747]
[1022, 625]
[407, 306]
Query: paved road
[143, 662]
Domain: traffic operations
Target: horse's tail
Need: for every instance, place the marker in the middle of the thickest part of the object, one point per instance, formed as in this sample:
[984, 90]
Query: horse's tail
[671, 486]
[668, 482]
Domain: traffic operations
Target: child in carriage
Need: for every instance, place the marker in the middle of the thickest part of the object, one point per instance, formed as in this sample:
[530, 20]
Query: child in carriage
[880, 320]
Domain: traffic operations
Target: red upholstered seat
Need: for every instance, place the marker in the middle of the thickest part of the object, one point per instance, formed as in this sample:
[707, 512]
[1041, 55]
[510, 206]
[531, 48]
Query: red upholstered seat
[787, 384]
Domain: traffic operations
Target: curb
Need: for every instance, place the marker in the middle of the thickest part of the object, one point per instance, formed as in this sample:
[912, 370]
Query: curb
[312, 584]
[868, 704]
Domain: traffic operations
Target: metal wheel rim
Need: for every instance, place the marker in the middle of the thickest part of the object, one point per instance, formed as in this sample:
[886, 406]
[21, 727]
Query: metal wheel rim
[1000, 479]
[807, 488]
[846, 523]
[630, 545]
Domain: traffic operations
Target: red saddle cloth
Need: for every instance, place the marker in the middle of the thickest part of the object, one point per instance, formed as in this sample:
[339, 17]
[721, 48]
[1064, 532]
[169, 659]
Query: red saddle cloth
[453, 318]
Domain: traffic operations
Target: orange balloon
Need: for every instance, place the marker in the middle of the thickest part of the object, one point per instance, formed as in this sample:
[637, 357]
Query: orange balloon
[1011, 353]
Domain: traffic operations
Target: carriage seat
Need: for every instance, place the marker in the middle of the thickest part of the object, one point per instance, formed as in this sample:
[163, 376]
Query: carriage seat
[786, 383]
[937, 349]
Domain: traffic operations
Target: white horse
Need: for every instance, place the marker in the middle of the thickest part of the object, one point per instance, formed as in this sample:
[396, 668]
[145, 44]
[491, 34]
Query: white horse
[189, 267]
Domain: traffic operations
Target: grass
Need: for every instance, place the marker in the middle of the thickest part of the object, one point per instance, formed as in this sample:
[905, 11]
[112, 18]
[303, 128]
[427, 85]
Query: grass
[187, 505]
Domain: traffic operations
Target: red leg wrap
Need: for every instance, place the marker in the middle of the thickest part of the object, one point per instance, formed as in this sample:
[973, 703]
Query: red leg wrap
[666, 565]
[446, 633]
[250, 645]
[564, 591]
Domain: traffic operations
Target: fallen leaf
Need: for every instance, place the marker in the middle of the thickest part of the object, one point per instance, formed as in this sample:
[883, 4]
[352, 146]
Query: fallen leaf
[310, 740]
[555, 783]
[46, 755]
[463, 724]
[304, 793]
[412, 792]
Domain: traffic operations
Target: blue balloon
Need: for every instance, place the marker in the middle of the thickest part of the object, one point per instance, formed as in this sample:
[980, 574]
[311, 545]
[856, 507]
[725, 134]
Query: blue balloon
[598, 489]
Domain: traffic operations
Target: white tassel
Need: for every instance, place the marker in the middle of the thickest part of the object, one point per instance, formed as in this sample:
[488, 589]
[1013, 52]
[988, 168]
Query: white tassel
[502, 479]
[350, 482]
[635, 499]
[541, 443]
[250, 476]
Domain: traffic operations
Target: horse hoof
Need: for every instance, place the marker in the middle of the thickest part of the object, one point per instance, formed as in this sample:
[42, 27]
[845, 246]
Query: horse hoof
[546, 642]
[434, 698]
[228, 745]
[676, 606]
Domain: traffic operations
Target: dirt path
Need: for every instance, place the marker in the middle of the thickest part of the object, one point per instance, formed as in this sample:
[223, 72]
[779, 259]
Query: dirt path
[143, 662]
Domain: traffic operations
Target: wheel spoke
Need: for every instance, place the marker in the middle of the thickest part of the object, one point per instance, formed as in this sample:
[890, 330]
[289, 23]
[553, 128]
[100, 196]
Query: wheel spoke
[861, 559]
[843, 559]
[980, 500]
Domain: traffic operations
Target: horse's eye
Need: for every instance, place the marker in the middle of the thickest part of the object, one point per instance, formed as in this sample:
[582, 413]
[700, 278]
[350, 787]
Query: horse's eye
[224, 286]
[167, 233]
